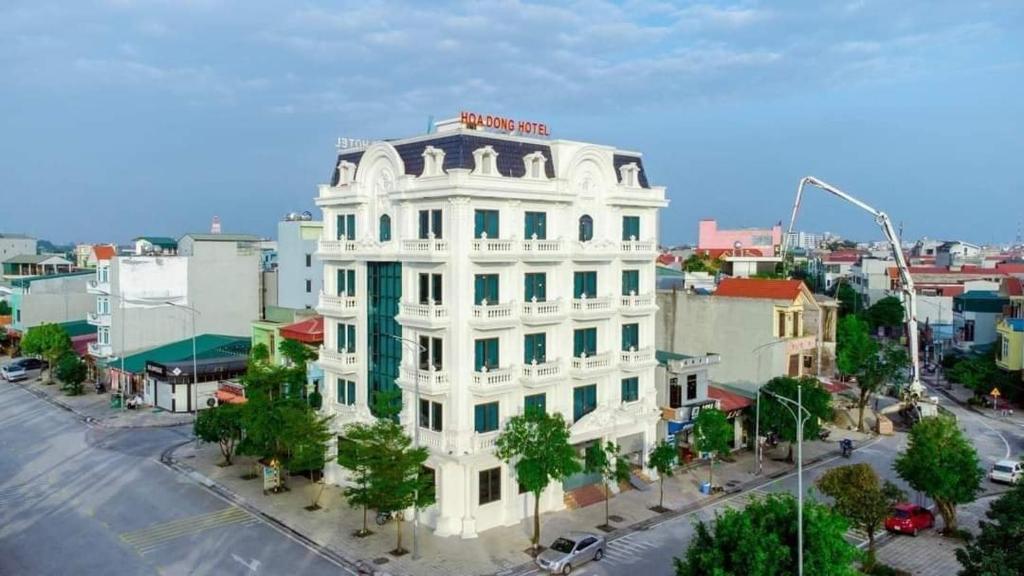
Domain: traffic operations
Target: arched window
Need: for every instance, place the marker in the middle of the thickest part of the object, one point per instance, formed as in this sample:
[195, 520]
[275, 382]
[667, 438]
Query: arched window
[586, 228]
[385, 228]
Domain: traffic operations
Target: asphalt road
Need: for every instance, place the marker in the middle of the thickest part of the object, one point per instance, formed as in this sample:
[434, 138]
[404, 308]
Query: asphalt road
[81, 499]
[650, 552]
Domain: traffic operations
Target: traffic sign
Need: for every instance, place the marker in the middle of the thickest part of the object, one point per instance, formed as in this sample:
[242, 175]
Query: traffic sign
[994, 392]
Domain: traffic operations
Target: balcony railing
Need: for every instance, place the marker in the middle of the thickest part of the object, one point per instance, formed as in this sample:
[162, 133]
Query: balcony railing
[598, 305]
[541, 372]
[423, 312]
[534, 248]
[542, 311]
[337, 247]
[636, 303]
[634, 359]
[492, 379]
[491, 313]
[425, 246]
[100, 350]
[484, 247]
[484, 441]
[639, 249]
[97, 319]
[341, 361]
[338, 305]
[586, 364]
[97, 287]
[429, 381]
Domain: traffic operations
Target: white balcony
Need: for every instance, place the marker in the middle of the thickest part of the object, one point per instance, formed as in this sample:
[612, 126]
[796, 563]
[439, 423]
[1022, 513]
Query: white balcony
[592, 307]
[594, 250]
[636, 359]
[438, 442]
[636, 304]
[542, 312]
[429, 248]
[429, 381]
[493, 249]
[97, 287]
[587, 365]
[425, 315]
[638, 249]
[337, 305]
[542, 250]
[542, 373]
[97, 319]
[341, 362]
[337, 249]
[493, 315]
[493, 381]
[97, 350]
[484, 442]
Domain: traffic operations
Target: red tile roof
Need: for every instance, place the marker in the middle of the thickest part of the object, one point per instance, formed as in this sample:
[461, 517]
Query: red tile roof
[842, 256]
[759, 288]
[1010, 267]
[104, 251]
[728, 401]
[1014, 286]
[310, 330]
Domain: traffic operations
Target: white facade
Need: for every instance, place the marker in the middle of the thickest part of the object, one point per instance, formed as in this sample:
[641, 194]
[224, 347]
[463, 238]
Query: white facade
[870, 277]
[218, 277]
[416, 202]
[300, 274]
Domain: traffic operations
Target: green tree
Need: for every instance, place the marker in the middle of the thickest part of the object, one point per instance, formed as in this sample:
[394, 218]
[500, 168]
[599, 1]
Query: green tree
[537, 445]
[294, 357]
[776, 415]
[850, 301]
[712, 433]
[886, 313]
[72, 372]
[355, 454]
[306, 435]
[701, 263]
[397, 481]
[49, 341]
[861, 497]
[663, 459]
[761, 540]
[223, 425]
[387, 404]
[606, 460]
[943, 464]
[259, 353]
[995, 551]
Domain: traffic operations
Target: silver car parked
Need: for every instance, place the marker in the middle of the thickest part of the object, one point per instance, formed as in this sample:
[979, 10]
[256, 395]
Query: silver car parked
[570, 551]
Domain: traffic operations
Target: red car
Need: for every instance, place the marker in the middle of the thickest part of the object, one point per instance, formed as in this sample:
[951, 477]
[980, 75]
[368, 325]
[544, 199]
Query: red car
[909, 519]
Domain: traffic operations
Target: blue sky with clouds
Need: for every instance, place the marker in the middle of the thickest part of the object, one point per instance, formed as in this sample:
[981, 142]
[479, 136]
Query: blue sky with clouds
[124, 117]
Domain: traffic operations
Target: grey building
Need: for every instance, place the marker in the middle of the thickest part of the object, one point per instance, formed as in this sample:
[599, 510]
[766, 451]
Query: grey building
[12, 245]
[300, 274]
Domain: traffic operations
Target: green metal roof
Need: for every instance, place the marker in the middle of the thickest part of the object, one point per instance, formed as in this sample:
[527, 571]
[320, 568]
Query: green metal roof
[34, 258]
[665, 271]
[980, 301]
[25, 282]
[77, 328]
[207, 346]
[162, 241]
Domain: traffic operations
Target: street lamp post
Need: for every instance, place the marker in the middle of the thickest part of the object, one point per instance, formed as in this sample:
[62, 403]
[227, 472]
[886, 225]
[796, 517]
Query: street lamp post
[195, 367]
[757, 408]
[415, 440]
[800, 411]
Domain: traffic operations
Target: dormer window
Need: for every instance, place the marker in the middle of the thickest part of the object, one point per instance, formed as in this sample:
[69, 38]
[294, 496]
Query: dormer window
[433, 161]
[346, 172]
[629, 174]
[535, 165]
[486, 161]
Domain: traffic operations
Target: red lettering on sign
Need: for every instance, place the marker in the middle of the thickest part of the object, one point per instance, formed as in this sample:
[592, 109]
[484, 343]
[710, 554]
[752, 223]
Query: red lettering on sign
[503, 124]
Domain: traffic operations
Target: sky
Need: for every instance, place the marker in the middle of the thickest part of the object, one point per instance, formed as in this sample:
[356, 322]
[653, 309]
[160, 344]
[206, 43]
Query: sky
[127, 117]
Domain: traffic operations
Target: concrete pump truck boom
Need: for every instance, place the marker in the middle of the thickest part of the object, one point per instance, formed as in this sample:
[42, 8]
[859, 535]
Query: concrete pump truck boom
[915, 390]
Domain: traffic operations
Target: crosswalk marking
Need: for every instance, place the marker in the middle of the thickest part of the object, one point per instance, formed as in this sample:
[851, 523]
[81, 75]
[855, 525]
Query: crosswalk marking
[625, 550]
[147, 539]
[16, 495]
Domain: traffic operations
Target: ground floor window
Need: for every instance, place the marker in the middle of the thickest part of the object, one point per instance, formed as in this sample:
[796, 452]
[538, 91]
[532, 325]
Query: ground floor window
[490, 485]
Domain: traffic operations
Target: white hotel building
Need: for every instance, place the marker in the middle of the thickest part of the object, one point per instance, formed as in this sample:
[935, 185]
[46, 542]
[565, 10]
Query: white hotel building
[495, 272]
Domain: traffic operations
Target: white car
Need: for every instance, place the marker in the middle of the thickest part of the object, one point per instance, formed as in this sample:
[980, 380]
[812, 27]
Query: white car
[1007, 471]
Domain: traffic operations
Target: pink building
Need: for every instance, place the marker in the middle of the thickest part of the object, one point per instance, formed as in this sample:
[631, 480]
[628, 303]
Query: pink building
[767, 241]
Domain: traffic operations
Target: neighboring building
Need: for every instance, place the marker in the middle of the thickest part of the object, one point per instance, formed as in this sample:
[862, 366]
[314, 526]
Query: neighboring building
[151, 298]
[766, 242]
[154, 245]
[300, 274]
[164, 375]
[975, 316]
[99, 253]
[872, 280]
[492, 273]
[267, 330]
[1010, 347]
[81, 334]
[958, 254]
[12, 245]
[761, 328]
[37, 265]
[805, 240]
[49, 299]
[268, 255]
[828, 268]
[683, 391]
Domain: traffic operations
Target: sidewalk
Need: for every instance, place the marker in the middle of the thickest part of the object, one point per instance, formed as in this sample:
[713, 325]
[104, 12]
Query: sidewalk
[499, 550]
[96, 407]
[959, 394]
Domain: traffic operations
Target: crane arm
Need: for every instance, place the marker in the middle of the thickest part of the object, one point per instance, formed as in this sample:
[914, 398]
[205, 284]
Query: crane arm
[907, 282]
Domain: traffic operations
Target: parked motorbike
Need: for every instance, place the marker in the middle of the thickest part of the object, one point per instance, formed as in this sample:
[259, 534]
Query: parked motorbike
[383, 518]
[100, 388]
[824, 434]
[846, 446]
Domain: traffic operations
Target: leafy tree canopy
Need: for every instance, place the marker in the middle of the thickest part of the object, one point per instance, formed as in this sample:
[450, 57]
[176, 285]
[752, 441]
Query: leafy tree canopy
[887, 312]
[47, 340]
[995, 551]
[942, 463]
[72, 372]
[701, 263]
[761, 540]
[860, 496]
[776, 415]
[712, 432]
[223, 425]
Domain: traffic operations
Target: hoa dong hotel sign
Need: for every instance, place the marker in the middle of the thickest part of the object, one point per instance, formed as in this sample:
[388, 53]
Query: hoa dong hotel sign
[504, 124]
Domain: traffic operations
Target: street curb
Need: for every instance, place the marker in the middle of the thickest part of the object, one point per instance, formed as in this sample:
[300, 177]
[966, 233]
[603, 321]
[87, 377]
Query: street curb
[167, 459]
[85, 417]
[658, 519]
